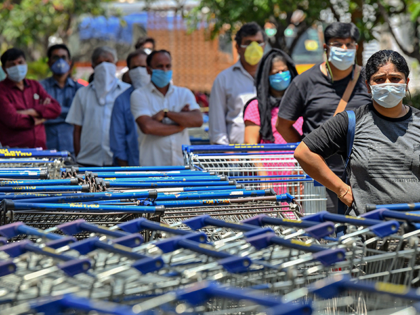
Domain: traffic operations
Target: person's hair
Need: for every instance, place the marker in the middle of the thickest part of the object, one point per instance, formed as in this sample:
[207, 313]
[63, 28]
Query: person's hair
[11, 54]
[103, 50]
[341, 30]
[276, 58]
[143, 40]
[58, 46]
[249, 29]
[383, 57]
[138, 52]
[153, 53]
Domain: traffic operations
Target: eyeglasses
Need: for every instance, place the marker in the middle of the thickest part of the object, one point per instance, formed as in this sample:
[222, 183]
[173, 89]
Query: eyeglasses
[259, 44]
[339, 45]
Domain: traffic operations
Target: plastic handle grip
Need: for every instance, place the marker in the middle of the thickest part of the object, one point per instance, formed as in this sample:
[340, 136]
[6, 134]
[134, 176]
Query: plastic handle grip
[265, 240]
[330, 256]
[205, 220]
[321, 230]
[396, 207]
[141, 224]
[385, 228]
[75, 227]
[75, 266]
[7, 267]
[174, 243]
[382, 214]
[325, 216]
[263, 219]
[285, 198]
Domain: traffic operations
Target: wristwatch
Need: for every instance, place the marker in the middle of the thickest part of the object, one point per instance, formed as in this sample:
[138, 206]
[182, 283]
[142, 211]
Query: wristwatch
[165, 112]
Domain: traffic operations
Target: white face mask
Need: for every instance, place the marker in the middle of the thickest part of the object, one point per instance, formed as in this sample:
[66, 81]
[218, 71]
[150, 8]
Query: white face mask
[342, 59]
[104, 80]
[17, 73]
[139, 77]
[388, 95]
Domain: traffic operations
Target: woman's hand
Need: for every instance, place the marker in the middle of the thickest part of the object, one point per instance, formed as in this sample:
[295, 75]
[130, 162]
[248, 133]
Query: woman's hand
[345, 194]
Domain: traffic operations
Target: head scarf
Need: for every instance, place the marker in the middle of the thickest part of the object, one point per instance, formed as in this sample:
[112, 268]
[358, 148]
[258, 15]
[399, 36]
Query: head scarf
[266, 102]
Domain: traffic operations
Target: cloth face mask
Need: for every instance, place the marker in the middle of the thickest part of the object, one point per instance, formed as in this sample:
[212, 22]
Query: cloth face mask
[161, 78]
[388, 95]
[342, 59]
[139, 77]
[280, 81]
[60, 67]
[253, 53]
[104, 80]
[17, 73]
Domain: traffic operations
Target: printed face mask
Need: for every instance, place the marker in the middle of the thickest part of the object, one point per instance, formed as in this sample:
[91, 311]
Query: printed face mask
[17, 73]
[280, 81]
[161, 78]
[60, 67]
[388, 95]
[253, 53]
[342, 59]
[139, 77]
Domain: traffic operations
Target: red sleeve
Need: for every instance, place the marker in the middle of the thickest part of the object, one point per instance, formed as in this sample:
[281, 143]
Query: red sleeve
[252, 113]
[50, 111]
[9, 116]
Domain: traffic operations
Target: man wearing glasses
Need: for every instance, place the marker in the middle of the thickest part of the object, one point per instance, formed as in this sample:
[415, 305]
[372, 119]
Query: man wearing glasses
[234, 87]
[62, 88]
[316, 94]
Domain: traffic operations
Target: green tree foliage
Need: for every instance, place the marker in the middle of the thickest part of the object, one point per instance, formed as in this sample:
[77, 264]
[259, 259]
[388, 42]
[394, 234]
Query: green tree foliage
[28, 24]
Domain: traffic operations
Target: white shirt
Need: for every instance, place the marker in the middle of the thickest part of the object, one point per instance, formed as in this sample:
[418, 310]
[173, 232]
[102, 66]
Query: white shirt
[231, 90]
[95, 119]
[162, 150]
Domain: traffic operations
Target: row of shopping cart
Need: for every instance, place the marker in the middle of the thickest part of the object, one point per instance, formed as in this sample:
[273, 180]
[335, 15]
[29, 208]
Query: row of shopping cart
[216, 238]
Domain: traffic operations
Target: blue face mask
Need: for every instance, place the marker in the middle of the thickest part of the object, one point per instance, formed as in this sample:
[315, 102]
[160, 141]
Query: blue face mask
[17, 73]
[280, 81]
[60, 67]
[342, 59]
[161, 78]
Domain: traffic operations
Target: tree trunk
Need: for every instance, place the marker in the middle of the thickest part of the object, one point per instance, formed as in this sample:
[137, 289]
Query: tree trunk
[357, 19]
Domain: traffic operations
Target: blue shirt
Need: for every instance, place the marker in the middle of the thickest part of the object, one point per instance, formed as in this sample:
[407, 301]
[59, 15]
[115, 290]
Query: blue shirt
[59, 133]
[123, 131]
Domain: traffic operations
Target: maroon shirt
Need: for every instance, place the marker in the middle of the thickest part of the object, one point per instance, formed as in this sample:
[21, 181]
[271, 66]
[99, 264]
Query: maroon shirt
[19, 130]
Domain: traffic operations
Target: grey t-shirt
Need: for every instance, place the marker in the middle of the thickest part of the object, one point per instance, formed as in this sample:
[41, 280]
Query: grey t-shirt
[384, 165]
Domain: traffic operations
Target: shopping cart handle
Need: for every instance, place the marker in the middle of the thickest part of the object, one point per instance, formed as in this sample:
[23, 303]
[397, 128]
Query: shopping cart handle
[61, 303]
[140, 224]
[285, 198]
[291, 309]
[383, 214]
[149, 264]
[325, 216]
[396, 207]
[65, 240]
[14, 229]
[258, 232]
[7, 267]
[75, 266]
[78, 226]
[265, 240]
[235, 264]
[321, 230]
[174, 243]
[385, 228]
[329, 257]
[130, 240]
[205, 220]
[263, 219]
[3, 241]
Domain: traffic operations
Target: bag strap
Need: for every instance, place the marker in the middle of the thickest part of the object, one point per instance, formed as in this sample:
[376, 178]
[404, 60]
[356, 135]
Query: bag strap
[349, 90]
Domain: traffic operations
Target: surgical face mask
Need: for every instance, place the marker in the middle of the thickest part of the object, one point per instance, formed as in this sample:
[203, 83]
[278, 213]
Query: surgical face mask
[139, 77]
[161, 78]
[342, 59]
[253, 53]
[60, 67]
[147, 51]
[17, 73]
[280, 81]
[388, 95]
[105, 80]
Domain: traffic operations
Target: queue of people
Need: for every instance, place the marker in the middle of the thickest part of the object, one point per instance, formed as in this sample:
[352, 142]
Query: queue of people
[260, 99]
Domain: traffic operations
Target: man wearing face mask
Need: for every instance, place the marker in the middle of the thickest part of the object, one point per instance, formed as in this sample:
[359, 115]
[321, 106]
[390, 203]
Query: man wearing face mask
[163, 112]
[234, 87]
[62, 88]
[123, 131]
[24, 105]
[90, 112]
[325, 90]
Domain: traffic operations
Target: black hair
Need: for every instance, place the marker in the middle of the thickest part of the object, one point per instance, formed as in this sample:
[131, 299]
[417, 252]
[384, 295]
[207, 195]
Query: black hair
[58, 46]
[11, 54]
[155, 52]
[143, 40]
[341, 30]
[135, 53]
[381, 58]
[249, 29]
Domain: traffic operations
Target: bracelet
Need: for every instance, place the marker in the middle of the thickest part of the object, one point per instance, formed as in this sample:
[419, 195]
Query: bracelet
[348, 189]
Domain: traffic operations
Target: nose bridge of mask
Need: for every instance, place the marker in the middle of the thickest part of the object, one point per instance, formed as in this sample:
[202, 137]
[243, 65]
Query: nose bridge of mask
[253, 53]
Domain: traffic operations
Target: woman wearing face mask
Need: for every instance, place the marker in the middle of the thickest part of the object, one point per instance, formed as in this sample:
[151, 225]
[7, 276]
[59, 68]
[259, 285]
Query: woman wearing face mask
[274, 75]
[384, 164]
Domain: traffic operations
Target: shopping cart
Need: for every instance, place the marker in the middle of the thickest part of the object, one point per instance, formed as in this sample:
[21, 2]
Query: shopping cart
[259, 167]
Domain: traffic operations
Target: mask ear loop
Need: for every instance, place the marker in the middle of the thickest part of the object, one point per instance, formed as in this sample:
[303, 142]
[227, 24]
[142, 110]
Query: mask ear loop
[328, 66]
